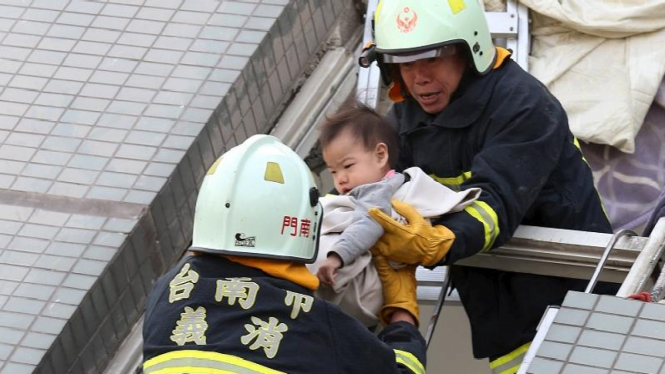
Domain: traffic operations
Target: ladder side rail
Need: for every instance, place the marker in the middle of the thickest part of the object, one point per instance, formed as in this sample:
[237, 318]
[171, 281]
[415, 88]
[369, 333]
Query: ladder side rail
[369, 78]
[558, 252]
[574, 270]
[520, 39]
[524, 39]
[434, 318]
[646, 262]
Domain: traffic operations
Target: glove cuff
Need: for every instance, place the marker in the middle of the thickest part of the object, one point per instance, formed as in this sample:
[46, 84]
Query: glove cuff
[437, 250]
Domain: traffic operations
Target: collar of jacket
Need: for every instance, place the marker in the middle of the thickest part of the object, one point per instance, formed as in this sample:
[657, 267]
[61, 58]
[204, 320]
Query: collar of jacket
[468, 101]
[291, 271]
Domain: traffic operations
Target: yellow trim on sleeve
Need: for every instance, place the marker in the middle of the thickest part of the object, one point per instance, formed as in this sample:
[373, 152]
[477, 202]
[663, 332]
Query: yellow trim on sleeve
[484, 213]
[479, 210]
[453, 183]
[410, 361]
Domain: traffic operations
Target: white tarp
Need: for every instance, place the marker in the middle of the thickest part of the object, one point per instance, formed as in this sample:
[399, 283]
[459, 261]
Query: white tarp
[603, 59]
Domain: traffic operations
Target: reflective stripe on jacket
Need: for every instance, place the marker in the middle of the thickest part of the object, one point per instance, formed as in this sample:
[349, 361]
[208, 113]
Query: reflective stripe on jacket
[192, 361]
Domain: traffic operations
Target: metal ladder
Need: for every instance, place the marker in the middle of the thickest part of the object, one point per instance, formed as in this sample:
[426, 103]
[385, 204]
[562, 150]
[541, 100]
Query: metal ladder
[635, 281]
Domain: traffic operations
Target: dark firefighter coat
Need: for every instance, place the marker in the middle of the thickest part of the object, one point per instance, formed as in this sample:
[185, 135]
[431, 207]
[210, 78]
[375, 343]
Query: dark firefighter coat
[505, 133]
[209, 312]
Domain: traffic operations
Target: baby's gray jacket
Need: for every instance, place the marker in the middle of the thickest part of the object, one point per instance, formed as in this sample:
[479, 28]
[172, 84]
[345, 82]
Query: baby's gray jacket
[361, 235]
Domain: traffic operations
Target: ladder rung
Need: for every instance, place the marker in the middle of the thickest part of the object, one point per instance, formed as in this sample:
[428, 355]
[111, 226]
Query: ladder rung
[502, 24]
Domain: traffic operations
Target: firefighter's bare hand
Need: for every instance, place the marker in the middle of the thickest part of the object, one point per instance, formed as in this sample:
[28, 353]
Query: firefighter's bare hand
[328, 269]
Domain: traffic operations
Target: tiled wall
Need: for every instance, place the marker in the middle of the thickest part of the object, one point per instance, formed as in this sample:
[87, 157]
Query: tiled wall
[595, 334]
[110, 113]
[54, 279]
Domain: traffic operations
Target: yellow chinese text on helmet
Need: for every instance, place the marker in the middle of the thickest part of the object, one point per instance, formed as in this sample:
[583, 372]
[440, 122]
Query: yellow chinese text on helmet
[259, 199]
[409, 28]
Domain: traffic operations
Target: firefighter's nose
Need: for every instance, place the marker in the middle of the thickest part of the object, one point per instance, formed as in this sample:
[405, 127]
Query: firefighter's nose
[422, 76]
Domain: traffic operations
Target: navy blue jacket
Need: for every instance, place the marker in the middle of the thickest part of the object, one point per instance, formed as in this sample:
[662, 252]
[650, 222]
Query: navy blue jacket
[258, 323]
[507, 134]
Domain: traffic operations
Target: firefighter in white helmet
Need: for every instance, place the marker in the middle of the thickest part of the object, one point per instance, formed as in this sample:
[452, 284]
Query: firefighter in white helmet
[242, 302]
[469, 116]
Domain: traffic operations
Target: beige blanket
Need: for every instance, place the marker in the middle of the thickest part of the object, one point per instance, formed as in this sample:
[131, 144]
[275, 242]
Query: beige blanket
[603, 59]
[357, 288]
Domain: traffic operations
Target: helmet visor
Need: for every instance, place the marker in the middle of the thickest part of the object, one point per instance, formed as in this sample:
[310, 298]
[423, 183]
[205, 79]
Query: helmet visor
[446, 50]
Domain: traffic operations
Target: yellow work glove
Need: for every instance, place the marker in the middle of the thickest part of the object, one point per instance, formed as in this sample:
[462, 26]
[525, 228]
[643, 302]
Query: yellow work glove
[399, 289]
[416, 242]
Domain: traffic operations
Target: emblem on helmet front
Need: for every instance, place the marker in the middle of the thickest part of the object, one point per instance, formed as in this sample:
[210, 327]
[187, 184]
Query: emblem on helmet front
[406, 20]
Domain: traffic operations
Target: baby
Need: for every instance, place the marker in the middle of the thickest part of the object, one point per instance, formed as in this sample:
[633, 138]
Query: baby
[359, 147]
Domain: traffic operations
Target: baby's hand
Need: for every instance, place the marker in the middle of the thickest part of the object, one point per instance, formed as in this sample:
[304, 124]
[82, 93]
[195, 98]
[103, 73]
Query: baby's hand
[328, 269]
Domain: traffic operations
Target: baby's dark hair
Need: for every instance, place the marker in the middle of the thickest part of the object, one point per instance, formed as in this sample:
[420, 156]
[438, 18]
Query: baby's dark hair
[365, 124]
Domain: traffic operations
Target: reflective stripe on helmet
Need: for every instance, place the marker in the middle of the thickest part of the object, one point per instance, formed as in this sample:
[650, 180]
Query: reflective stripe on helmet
[443, 51]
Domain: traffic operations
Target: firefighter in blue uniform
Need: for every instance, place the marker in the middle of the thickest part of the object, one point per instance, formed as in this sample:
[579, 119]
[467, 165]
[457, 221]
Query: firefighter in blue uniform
[242, 301]
[471, 117]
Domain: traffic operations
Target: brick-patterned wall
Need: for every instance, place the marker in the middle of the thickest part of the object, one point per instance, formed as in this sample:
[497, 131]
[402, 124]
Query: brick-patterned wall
[110, 113]
[594, 334]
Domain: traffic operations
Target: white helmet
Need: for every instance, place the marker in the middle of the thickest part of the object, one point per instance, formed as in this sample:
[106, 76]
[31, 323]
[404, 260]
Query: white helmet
[406, 30]
[259, 200]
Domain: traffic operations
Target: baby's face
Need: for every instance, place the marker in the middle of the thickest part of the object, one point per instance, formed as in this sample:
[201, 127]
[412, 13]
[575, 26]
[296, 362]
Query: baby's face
[352, 165]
